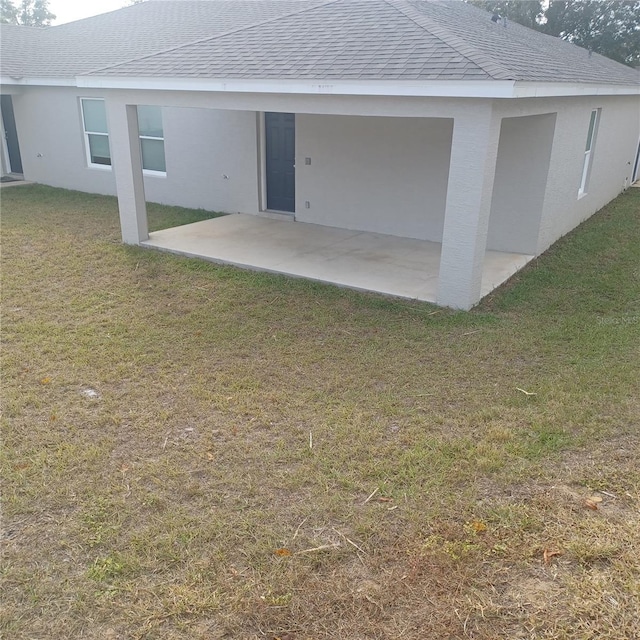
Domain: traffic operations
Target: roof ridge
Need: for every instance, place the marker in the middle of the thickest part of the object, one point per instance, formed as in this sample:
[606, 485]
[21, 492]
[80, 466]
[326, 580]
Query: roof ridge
[495, 70]
[259, 23]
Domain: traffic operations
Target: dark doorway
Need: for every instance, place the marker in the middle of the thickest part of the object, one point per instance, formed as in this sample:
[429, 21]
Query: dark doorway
[636, 166]
[11, 134]
[280, 135]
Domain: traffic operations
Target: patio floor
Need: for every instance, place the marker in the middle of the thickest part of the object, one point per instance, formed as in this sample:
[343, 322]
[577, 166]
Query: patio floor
[359, 260]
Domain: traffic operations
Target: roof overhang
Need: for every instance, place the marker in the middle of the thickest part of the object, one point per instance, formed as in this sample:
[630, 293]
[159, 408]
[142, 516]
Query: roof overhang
[559, 89]
[399, 88]
[22, 81]
[402, 88]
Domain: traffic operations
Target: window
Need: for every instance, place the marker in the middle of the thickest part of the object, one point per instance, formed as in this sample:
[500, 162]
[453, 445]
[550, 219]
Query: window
[151, 138]
[588, 154]
[96, 133]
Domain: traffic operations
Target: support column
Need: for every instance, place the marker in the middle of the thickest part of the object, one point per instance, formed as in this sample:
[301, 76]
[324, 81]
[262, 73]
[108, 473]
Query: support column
[126, 159]
[474, 150]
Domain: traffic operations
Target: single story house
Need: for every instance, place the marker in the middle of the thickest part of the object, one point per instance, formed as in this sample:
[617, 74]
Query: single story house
[416, 142]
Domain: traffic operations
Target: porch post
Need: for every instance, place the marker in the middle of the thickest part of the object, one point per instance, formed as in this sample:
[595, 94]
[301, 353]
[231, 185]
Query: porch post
[474, 150]
[126, 159]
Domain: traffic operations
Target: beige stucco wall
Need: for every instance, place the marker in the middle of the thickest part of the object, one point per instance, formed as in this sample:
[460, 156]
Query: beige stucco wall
[386, 175]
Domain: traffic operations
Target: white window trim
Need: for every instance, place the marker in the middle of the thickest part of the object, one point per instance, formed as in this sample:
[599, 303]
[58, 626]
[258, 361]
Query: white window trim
[152, 172]
[85, 133]
[588, 154]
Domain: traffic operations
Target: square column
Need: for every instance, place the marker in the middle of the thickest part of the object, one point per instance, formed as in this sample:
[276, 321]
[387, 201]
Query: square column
[126, 159]
[474, 150]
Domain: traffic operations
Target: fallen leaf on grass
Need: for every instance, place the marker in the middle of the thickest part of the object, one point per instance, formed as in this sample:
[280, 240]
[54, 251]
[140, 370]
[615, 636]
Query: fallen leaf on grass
[593, 502]
[547, 554]
[282, 552]
[478, 526]
[45, 381]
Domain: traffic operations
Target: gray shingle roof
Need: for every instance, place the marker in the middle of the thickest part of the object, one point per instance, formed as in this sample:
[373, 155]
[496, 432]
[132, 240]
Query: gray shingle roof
[132, 32]
[527, 54]
[18, 45]
[352, 39]
[307, 39]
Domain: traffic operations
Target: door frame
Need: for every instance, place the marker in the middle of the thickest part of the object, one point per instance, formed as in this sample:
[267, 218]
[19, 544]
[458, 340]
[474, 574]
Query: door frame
[635, 170]
[262, 172]
[6, 161]
[262, 162]
[5, 145]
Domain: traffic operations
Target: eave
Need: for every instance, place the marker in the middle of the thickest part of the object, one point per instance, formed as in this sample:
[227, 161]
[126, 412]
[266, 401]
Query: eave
[398, 88]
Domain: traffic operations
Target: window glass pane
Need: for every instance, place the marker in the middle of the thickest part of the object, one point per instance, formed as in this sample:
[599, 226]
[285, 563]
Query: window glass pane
[153, 155]
[150, 121]
[592, 124]
[99, 149]
[95, 116]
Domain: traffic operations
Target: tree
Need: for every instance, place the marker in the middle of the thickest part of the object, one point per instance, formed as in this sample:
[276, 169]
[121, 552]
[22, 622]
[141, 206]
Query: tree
[8, 13]
[608, 27]
[32, 13]
[604, 26]
[525, 12]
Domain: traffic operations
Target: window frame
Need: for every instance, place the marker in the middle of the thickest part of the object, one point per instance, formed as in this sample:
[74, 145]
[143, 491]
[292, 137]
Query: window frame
[86, 134]
[152, 172]
[592, 132]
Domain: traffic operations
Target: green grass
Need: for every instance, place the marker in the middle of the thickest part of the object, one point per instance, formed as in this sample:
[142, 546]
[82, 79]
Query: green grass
[156, 509]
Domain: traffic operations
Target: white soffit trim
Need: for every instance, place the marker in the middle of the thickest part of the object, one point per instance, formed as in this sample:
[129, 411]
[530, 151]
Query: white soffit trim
[425, 88]
[20, 81]
[435, 88]
[558, 89]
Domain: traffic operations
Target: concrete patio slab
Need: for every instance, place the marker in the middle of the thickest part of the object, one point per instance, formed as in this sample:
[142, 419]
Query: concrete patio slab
[360, 260]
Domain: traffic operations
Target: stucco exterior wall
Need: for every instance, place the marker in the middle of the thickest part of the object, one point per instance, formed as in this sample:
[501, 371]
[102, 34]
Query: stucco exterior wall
[385, 175]
[201, 147]
[49, 127]
[377, 163]
[612, 157]
[522, 169]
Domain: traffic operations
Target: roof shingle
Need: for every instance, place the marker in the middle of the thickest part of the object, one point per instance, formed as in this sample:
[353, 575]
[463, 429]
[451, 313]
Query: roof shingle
[304, 39]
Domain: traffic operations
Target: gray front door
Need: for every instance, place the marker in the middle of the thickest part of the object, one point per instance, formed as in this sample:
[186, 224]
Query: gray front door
[11, 134]
[280, 134]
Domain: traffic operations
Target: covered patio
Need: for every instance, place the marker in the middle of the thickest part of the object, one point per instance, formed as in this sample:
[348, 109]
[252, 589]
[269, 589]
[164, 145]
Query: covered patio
[405, 202]
[386, 264]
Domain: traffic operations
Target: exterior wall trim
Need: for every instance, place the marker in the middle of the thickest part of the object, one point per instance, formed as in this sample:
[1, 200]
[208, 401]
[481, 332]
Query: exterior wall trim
[429, 88]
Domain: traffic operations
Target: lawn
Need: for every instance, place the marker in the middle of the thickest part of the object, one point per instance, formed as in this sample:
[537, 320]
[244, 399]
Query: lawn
[193, 451]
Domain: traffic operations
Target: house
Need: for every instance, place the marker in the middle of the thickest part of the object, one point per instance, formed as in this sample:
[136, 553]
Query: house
[453, 148]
